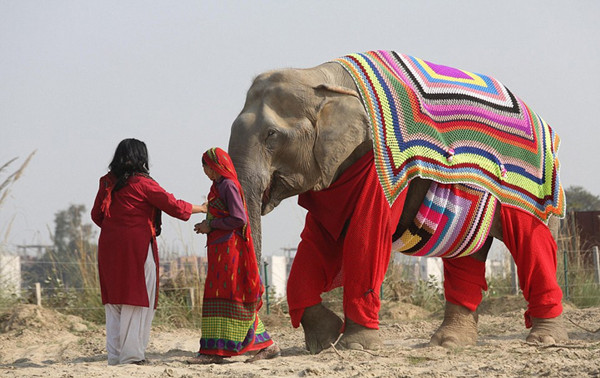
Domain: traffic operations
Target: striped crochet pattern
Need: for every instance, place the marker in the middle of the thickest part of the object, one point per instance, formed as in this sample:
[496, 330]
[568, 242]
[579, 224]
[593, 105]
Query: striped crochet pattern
[453, 221]
[454, 126]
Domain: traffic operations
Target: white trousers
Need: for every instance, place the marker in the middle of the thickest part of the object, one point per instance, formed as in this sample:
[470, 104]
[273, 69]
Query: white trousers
[128, 327]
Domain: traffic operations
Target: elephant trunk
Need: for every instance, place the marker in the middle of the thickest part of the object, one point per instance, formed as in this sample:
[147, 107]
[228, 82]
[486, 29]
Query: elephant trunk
[254, 208]
[253, 186]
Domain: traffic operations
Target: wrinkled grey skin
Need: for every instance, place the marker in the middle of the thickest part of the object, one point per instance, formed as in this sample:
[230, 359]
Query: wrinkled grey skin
[298, 131]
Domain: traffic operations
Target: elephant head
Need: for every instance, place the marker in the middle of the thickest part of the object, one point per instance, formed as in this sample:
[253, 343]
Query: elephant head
[299, 129]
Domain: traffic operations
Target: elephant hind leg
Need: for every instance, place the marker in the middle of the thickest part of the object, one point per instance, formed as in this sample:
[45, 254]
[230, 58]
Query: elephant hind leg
[547, 331]
[464, 281]
[459, 328]
[321, 328]
[531, 244]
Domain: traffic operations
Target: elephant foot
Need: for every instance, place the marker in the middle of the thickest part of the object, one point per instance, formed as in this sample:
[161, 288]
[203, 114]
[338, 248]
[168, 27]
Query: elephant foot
[321, 328]
[360, 337]
[459, 328]
[547, 331]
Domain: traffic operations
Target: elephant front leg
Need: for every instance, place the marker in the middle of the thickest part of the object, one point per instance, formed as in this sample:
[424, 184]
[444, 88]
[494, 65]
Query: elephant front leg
[321, 328]
[459, 328]
[360, 337]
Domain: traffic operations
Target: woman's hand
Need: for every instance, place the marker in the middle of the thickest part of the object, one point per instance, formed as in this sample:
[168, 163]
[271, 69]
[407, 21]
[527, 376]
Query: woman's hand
[202, 227]
[200, 208]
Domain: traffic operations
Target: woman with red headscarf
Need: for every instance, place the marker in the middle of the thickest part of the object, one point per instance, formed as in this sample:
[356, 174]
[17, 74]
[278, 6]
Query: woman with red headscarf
[233, 289]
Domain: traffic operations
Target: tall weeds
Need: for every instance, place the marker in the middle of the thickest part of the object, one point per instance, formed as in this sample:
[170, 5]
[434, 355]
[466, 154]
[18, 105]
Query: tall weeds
[179, 304]
[574, 272]
[5, 186]
[180, 300]
[8, 298]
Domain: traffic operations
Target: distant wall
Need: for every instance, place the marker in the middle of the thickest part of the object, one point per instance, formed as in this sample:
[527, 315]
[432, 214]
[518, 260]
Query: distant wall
[277, 274]
[587, 224]
[10, 274]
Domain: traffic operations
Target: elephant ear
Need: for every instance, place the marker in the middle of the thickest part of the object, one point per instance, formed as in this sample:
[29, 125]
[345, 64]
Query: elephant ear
[341, 127]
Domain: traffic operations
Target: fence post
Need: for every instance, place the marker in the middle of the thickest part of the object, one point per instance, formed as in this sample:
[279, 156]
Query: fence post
[514, 278]
[38, 294]
[192, 298]
[566, 273]
[596, 264]
[267, 286]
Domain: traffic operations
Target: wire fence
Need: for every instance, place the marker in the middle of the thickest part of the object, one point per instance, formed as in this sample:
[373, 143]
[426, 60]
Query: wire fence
[46, 297]
[578, 274]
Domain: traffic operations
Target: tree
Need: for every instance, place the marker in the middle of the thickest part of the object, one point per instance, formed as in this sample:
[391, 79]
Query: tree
[70, 233]
[74, 250]
[71, 262]
[579, 199]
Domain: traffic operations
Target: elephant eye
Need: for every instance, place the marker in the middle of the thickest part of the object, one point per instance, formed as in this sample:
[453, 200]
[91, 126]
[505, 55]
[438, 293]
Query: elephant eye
[271, 133]
[271, 139]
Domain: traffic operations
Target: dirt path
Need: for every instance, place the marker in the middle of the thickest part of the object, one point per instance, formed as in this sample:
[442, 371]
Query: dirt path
[43, 343]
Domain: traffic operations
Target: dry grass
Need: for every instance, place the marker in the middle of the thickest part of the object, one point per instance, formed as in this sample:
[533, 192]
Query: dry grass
[5, 185]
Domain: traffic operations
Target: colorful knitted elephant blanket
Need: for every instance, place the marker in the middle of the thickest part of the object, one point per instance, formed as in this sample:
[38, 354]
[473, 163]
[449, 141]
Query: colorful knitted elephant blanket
[454, 220]
[454, 126]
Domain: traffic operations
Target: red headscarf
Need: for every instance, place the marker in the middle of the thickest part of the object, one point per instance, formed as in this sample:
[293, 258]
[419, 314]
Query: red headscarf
[221, 163]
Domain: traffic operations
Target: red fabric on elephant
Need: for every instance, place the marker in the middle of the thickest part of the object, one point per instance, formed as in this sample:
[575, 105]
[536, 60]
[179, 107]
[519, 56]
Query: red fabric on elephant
[464, 281]
[534, 251]
[346, 242]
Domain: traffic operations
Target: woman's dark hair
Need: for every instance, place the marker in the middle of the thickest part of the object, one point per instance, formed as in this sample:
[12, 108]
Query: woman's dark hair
[131, 157]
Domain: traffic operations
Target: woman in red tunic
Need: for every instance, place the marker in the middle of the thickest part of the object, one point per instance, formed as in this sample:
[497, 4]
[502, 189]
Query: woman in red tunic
[127, 209]
[233, 289]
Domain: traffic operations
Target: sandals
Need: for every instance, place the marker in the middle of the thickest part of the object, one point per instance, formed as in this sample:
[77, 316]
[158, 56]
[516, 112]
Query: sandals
[267, 353]
[141, 362]
[205, 359]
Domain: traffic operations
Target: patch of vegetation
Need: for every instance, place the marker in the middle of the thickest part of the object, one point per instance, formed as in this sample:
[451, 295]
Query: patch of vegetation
[428, 294]
[180, 301]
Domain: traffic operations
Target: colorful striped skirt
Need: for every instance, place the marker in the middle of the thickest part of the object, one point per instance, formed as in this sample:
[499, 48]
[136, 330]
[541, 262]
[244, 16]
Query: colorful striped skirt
[232, 291]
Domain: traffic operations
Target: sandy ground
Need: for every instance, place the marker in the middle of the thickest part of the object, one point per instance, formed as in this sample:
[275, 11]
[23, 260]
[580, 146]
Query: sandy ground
[37, 342]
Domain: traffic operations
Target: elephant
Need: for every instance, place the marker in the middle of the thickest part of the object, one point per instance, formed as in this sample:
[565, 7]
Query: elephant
[299, 133]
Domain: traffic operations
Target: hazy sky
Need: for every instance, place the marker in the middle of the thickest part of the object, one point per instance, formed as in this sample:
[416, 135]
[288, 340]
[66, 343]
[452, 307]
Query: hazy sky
[76, 77]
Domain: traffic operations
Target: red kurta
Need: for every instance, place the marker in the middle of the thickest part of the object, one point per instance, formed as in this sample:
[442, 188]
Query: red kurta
[126, 233]
[346, 241]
